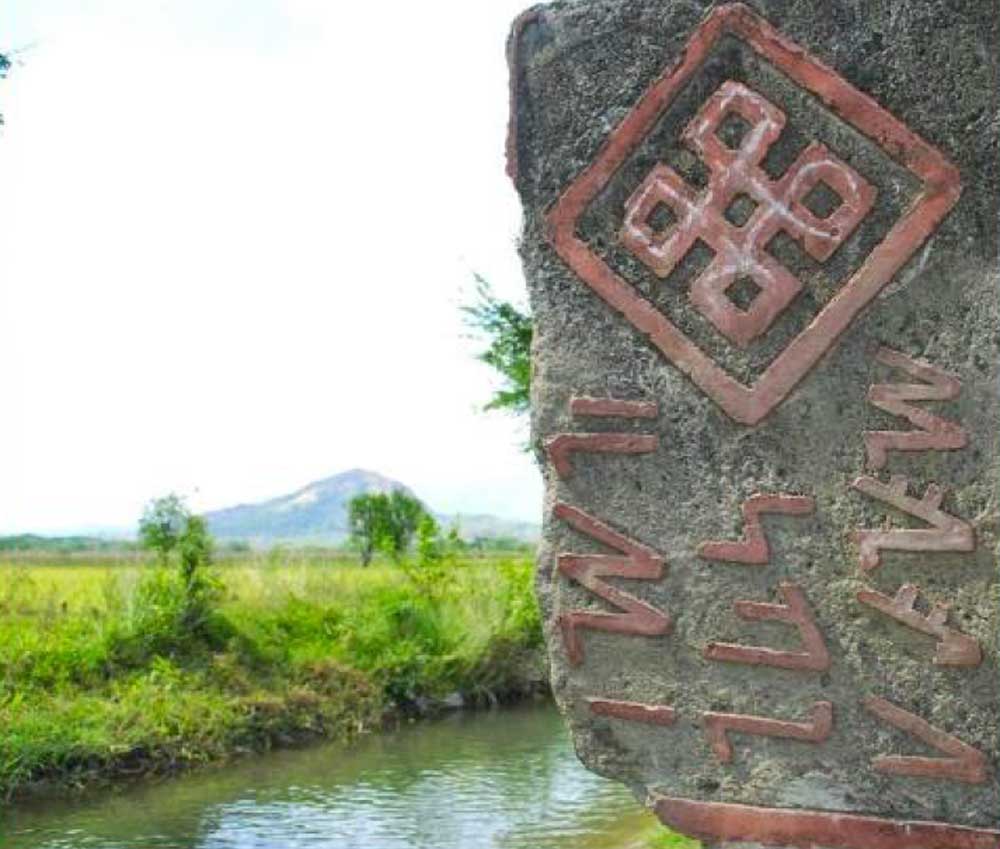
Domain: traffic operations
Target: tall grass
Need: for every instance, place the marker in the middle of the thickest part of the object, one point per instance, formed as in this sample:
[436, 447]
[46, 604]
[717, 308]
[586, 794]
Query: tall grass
[101, 675]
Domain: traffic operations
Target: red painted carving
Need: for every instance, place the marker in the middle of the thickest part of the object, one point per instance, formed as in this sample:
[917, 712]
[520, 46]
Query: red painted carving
[753, 548]
[936, 433]
[816, 730]
[514, 71]
[639, 563]
[795, 611]
[948, 533]
[740, 251]
[560, 447]
[954, 648]
[965, 763]
[719, 822]
[634, 711]
[614, 408]
[941, 189]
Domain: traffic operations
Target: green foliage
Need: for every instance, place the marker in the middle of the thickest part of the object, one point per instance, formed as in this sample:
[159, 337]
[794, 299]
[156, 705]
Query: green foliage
[431, 570]
[101, 675]
[405, 513]
[522, 617]
[367, 516]
[430, 546]
[168, 617]
[507, 332]
[175, 609]
[162, 523]
[666, 839]
[384, 522]
[201, 588]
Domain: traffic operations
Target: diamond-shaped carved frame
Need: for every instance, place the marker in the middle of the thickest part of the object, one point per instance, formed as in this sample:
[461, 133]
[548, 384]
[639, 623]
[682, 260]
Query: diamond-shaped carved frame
[941, 188]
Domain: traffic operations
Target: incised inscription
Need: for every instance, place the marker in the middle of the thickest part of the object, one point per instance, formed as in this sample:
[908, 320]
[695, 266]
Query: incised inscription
[635, 561]
[795, 611]
[753, 549]
[719, 725]
[954, 648]
[963, 764]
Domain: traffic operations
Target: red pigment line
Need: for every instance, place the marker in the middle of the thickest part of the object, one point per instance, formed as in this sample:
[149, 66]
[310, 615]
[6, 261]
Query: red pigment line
[614, 408]
[719, 822]
[633, 711]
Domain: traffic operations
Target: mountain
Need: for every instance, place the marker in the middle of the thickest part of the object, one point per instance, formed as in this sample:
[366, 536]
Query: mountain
[318, 513]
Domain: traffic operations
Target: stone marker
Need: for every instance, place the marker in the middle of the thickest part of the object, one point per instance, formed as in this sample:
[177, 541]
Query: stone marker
[761, 243]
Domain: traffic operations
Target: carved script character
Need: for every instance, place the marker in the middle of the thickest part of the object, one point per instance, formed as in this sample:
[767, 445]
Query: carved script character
[935, 433]
[753, 549]
[633, 711]
[816, 730]
[948, 533]
[964, 763]
[614, 408]
[560, 447]
[795, 611]
[589, 570]
[954, 648]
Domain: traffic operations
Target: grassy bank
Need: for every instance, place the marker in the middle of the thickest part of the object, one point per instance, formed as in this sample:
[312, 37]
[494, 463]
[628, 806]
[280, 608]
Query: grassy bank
[101, 678]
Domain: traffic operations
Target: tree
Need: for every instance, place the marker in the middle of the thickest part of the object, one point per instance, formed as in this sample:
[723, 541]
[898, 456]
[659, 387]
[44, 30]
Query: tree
[507, 332]
[405, 516]
[384, 522]
[167, 526]
[367, 518]
[195, 547]
[162, 524]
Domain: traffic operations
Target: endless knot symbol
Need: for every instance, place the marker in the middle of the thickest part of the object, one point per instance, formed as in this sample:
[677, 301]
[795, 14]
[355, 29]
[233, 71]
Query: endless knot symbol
[737, 178]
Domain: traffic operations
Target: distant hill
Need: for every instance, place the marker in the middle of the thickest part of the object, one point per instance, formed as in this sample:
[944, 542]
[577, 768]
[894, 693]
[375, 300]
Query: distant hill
[318, 513]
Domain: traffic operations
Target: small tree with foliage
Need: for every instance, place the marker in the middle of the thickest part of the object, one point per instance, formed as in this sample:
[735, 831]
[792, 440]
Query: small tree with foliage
[367, 517]
[168, 526]
[384, 522]
[405, 515]
[432, 570]
[507, 332]
[162, 524]
[195, 548]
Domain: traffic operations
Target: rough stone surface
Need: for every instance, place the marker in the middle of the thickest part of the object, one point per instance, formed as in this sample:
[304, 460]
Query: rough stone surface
[578, 70]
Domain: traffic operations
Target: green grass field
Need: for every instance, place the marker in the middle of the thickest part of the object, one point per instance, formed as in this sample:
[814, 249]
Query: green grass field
[99, 679]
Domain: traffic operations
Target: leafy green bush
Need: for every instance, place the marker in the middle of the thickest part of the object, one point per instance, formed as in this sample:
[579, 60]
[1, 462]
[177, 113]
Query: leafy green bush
[166, 620]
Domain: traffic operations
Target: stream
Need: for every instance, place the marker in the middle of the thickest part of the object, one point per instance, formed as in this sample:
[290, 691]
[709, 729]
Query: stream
[506, 779]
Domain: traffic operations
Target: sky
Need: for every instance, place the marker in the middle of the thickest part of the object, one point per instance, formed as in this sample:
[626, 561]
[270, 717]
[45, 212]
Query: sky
[235, 238]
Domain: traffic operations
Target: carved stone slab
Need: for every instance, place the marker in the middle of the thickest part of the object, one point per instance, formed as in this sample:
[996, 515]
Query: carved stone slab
[761, 244]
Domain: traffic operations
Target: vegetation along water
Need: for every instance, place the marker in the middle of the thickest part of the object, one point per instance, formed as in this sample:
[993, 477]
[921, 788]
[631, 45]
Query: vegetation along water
[107, 669]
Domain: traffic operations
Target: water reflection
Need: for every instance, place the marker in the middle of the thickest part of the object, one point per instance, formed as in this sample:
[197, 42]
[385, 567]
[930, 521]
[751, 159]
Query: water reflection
[503, 780]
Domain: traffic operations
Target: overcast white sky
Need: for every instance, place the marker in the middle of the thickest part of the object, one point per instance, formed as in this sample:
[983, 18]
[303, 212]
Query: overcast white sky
[235, 235]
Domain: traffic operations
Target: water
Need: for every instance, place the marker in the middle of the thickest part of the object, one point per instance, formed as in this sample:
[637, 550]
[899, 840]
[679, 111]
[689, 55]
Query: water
[501, 780]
